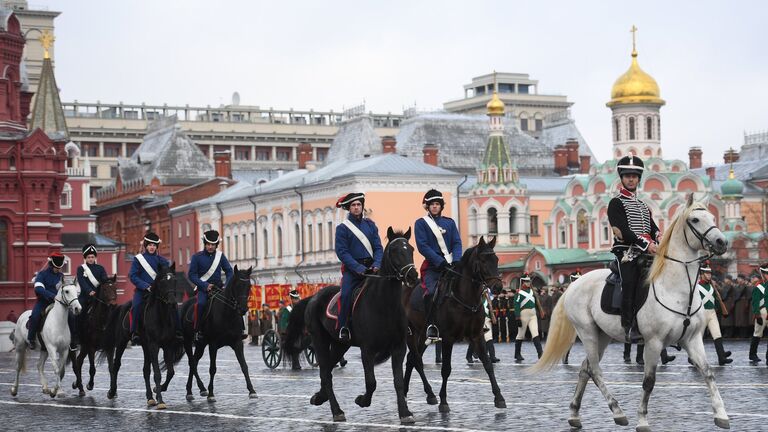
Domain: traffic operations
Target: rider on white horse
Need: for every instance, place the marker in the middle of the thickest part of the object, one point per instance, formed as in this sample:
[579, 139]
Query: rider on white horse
[46, 288]
[635, 233]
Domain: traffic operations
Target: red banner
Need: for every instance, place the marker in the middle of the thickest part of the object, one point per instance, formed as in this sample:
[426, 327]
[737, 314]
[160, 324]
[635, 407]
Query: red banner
[272, 296]
[254, 298]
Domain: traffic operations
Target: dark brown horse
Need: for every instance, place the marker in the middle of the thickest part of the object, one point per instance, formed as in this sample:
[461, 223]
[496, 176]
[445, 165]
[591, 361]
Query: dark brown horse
[379, 327]
[460, 315]
[92, 323]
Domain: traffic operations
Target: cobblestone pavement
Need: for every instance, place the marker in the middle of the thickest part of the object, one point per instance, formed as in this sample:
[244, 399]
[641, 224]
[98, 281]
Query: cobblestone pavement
[535, 402]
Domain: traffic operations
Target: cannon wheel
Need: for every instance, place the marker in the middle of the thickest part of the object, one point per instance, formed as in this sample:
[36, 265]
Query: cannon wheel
[270, 349]
[309, 354]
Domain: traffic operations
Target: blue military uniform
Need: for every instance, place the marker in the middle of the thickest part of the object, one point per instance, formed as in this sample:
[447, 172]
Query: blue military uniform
[354, 256]
[46, 288]
[86, 286]
[437, 256]
[142, 280]
[200, 265]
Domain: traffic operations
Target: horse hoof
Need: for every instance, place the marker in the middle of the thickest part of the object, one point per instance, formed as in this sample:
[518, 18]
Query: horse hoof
[444, 408]
[111, 394]
[203, 392]
[162, 406]
[89, 387]
[361, 402]
[46, 390]
[643, 429]
[722, 423]
[74, 385]
[500, 403]
[14, 391]
[621, 420]
[252, 395]
[81, 393]
[339, 417]
[211, 399]
[407, 420]
[151, 402]
[154, 390]
[574, 423]
[432, 400]
[317, 400]
[190, 398]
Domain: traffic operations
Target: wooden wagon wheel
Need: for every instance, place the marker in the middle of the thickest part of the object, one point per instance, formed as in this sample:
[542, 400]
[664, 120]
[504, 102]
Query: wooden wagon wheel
[270, 349]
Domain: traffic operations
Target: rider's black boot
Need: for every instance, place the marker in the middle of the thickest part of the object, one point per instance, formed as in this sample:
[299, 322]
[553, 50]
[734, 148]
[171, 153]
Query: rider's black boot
[627, 353]
[344, 335]
[565, 359]
[491, 351]
[135, 339]
[722, 354]
[438, 353]
[32, 343]
[518, 346]
[753, 350]
[469, 353]
[537, 344]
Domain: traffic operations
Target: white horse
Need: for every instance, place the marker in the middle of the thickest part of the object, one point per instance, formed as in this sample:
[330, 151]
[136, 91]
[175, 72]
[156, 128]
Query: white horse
[55, 334]
[672, 301]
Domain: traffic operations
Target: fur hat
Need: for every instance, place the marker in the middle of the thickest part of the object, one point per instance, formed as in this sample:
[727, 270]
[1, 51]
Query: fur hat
[525, 277]
[294, 294]
[89, 249]
[431, 196]
[347, 200]
[705, 267]
[764, 267]
[575, 275]
[56, 259]
[151, 237]
[211, 236]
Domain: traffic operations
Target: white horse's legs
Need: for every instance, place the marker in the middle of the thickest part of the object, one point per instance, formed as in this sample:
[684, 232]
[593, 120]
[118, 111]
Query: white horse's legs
[21, 358]
[41, 370]
[597, 377]
[695, 349]
[55, 359]
[575, 420]
[651, 357]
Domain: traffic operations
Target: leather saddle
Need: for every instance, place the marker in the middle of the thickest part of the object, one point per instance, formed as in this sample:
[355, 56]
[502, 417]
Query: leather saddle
[610, 300]
[334, 306]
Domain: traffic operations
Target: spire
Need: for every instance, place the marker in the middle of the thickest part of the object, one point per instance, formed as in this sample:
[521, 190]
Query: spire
[633, 30]
[48, 114]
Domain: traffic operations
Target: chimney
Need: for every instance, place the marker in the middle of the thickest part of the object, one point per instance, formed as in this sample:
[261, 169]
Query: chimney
[305, 154]
[430, 154]
[694, 157]
[561, 160]
[711, 172]
[223, 186]
[389, 144]
[731, 156]
[572, 146]
[222, 161]
[584, 166]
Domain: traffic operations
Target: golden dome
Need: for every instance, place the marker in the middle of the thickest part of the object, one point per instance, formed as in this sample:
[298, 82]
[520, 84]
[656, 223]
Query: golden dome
[495, 105]
[635, 86]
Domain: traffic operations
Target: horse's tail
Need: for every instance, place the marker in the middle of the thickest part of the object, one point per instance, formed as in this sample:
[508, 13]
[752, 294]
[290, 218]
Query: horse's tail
[296, 326]
[561, 336]
[110, 334]
[177, 353]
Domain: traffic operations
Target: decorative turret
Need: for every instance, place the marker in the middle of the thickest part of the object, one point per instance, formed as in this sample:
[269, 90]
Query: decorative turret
[732, 190]
[497, 164]
[48, 114]
[635, 103]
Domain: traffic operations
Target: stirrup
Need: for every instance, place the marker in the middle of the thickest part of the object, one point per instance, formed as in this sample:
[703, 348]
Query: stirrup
[632, 336]
[32, 344]
[199, 336]
[345, 335]
[433, 335]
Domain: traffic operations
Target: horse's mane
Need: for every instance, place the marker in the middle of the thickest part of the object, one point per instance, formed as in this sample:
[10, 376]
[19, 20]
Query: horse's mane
[658, 264]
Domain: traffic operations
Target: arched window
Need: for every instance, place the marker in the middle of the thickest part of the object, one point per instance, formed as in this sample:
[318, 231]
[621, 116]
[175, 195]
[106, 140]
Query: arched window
[266, 242]
[512, 217]
[310, 239]
[658, 128]
[297, 238]
[279, 242]
[66, 197]
[320, 244]
[493, 226]
[582, 225]
[616, 129]
[648, 128]
[3, 251]
[236, 248]
[631, 128]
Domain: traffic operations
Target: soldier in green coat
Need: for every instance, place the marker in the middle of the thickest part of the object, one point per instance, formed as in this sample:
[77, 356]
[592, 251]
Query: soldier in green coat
[526, 306]
[759, 294]
[712, 304]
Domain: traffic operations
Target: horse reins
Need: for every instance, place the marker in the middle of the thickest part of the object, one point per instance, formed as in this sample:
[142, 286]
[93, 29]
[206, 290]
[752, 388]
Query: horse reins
[483, 284]
[691, 283]
[398, 274]
[231, 302]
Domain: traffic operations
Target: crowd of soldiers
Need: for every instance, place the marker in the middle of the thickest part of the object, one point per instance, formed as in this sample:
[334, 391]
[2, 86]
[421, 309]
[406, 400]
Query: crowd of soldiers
[736, 293]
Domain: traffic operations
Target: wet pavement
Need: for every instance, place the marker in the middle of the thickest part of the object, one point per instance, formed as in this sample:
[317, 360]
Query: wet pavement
[534, 402]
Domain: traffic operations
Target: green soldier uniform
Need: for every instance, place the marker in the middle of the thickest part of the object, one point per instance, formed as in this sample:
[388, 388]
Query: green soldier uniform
[712, 304]
[525, 311]
[759, 294]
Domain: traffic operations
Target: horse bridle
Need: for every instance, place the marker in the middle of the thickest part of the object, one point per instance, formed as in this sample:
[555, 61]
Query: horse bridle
[706, 245]
[399, 274]
[65, 303]
[483, 284]
[232, 302]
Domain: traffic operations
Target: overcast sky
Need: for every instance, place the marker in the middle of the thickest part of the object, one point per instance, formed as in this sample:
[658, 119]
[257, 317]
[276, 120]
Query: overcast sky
[709, 57]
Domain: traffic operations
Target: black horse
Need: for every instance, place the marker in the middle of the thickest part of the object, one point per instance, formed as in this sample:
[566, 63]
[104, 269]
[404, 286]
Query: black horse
[460, 315]
[92, 324]
[379, 327]
[222, 326]
[157, 328]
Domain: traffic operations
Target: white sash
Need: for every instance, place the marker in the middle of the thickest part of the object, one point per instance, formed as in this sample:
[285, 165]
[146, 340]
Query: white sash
[708, 295]
[214, 265]
[439, 236]
[360, 236]
[760, 287]
[146, 266]
[90, 276]
[528, 297]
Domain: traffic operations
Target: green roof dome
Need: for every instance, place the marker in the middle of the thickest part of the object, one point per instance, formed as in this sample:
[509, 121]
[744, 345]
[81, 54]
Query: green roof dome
[732, 186]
